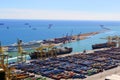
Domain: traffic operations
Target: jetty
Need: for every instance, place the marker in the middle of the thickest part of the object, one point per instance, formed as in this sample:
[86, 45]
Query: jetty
[55, 41]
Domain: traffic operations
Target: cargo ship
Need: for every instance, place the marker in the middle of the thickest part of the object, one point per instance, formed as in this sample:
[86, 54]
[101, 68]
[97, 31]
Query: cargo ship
[104, 45]
[1, 23]
[58, 51]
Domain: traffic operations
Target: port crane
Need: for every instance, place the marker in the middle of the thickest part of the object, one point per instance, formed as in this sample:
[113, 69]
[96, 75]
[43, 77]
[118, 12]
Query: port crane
[113, 39]
[78, 36]
[52, 50]
[22, 54]
[45, 51]
[6, 71]
[42, 52]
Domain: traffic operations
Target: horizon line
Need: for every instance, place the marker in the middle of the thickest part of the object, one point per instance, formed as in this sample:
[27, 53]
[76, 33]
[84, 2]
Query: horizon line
[58, 19]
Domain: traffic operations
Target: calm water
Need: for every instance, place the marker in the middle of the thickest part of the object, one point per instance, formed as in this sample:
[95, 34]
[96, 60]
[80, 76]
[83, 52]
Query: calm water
[40, 30]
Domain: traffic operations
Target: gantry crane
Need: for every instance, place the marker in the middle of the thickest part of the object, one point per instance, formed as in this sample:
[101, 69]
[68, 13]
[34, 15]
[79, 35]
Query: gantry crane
[3, 66]
[22, 54]
[7, 72]
[42, 52]
[45, 51]
[116, 39]
[6, 69]
[51, 50]
[112, 39]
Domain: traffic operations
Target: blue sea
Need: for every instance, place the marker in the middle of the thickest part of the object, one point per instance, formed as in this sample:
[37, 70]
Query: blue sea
[33, 30]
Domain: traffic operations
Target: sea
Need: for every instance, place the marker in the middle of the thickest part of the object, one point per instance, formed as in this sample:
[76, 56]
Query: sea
[37, 30]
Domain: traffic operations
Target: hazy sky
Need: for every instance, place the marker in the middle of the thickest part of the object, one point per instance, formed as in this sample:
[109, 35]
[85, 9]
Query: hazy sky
[60, 9]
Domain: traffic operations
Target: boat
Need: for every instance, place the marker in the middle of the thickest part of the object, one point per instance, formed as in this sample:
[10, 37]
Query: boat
[34, 28]
[104, 45]
[1, 23]
[59, 51]
[26, 24]
[26, 46]
[102, 26]
[64, 50]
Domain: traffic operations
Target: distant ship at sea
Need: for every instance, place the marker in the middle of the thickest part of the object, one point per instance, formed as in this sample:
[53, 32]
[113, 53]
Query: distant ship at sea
[26, 23]
[1, 23]
[102, 26]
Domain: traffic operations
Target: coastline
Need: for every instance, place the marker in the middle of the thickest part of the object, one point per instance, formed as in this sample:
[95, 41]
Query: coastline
[85, 35]
[13, 54]
[31, 44]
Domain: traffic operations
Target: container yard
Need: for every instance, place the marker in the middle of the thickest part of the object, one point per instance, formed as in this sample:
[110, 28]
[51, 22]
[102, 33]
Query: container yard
[75, 66]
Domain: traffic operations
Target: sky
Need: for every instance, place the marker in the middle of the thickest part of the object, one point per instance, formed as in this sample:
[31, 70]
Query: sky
[60, 9]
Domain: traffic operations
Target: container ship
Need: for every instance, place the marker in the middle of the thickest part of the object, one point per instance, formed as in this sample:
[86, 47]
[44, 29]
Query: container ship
[58, 51]
[104, 45]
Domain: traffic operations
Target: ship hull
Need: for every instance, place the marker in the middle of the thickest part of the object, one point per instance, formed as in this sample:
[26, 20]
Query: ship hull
[58, 52]
[104, 45]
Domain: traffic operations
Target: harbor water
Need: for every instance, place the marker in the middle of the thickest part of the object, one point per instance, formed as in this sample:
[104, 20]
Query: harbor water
[35, 30]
